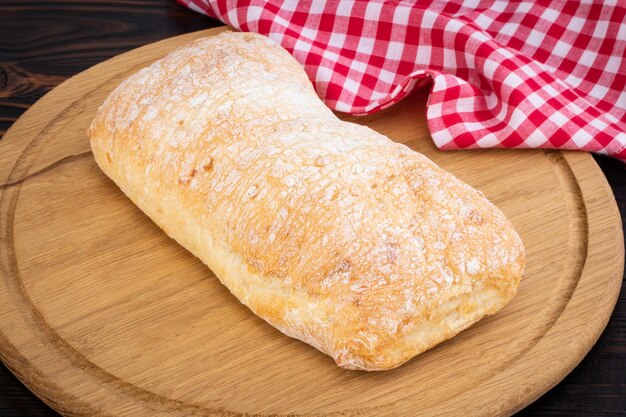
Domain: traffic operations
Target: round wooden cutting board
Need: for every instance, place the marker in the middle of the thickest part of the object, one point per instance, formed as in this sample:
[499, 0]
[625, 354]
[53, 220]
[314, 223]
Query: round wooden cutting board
[102, 314]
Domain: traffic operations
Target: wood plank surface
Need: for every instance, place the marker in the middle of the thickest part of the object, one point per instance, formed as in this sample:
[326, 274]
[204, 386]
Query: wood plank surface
[101, 313]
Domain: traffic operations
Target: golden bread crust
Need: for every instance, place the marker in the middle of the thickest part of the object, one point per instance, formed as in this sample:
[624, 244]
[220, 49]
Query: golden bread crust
[328, 230]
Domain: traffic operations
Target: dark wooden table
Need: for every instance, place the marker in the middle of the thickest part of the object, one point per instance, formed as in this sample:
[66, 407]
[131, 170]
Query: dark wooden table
[44, 42]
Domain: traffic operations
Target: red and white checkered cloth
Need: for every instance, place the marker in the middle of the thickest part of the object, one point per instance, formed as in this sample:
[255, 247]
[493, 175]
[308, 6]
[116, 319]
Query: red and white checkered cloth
[515, 74]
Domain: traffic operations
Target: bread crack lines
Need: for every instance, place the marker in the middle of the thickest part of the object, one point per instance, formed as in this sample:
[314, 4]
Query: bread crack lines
[355, 235]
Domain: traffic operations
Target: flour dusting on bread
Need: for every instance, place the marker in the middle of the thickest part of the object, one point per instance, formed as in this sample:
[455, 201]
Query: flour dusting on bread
[328, 230]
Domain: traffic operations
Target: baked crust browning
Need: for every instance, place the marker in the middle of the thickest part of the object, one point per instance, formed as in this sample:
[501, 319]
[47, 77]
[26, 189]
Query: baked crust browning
[328, 230]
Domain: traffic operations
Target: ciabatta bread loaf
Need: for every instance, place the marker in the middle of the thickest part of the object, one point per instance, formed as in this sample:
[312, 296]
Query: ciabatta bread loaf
[329, 231]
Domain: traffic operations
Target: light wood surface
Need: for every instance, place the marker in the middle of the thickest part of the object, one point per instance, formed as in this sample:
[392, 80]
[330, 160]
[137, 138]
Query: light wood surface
[102, 314]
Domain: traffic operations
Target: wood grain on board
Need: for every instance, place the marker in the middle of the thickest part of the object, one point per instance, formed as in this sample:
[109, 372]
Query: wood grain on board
[101, 313]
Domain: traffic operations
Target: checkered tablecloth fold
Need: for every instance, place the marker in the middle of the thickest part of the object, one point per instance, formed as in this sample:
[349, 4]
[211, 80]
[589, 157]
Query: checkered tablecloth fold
[522, 74]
